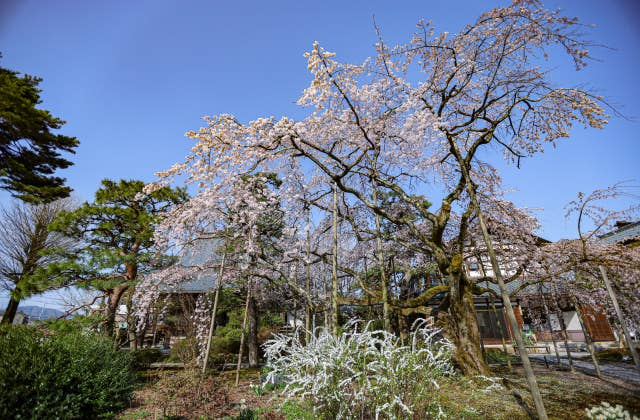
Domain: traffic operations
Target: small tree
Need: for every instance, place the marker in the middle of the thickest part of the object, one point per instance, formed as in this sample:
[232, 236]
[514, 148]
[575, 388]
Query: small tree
[606, 272]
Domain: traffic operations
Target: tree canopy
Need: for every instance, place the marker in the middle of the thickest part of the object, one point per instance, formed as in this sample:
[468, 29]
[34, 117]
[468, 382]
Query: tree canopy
[30, 152]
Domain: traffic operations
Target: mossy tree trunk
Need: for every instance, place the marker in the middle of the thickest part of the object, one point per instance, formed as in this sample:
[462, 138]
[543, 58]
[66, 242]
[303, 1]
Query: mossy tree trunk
[460, 325]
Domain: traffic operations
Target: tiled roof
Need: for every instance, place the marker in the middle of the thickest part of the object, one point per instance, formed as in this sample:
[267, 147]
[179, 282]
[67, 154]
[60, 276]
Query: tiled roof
[625, 233]
[200, 253]
[511, 286]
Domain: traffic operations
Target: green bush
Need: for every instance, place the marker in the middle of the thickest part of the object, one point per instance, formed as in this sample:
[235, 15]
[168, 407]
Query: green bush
[61, 375]
[225, 344]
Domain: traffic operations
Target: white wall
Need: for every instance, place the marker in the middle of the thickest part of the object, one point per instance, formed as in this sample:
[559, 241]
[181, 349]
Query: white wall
[570, 320]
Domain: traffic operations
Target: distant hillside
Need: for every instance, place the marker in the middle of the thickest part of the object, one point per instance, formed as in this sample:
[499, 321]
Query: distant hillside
[38, 312]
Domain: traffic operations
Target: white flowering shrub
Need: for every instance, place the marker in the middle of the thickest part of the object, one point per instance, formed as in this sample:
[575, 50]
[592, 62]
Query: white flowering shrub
[362, 373]
[606, 411]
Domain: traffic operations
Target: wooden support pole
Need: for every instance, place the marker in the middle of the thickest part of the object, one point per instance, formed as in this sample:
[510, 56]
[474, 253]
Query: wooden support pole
[495, 265]
[614, 300]
[325, 297]
[548, 318]
[244, 327]
[335, 311]
[307, 266]
[500, 329]
[563, 325]
[154, 326]
[384, 286]
[587, 335]
[214, 312]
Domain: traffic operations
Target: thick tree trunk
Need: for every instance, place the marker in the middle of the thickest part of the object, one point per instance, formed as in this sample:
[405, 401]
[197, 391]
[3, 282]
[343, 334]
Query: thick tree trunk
[131, 327]
[12, 309]
[252, 333]
[133, 339]
[495, 265]
[113, 301]
[460, 325]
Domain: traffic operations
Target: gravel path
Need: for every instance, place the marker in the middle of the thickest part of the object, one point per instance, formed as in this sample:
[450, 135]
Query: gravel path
[622, 371]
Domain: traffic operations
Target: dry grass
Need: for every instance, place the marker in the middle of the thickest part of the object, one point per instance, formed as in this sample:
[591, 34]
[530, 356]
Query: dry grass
[187, 395]
[567, 394]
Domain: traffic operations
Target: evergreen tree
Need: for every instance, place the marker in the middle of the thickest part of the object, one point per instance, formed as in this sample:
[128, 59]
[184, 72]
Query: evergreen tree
[29, 151]
[116, 231]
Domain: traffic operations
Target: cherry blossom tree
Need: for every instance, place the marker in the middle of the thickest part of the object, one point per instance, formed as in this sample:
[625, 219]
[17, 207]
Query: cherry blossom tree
[605, 273]
[413, 116]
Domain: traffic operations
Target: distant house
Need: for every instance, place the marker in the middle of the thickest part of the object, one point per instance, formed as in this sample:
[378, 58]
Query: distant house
[625, 233]
[175, 322]
[530, 299]
[204, 255]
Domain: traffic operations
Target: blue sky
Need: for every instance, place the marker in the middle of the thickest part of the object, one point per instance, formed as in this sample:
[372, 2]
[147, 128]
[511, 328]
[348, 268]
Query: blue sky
[130, 78]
